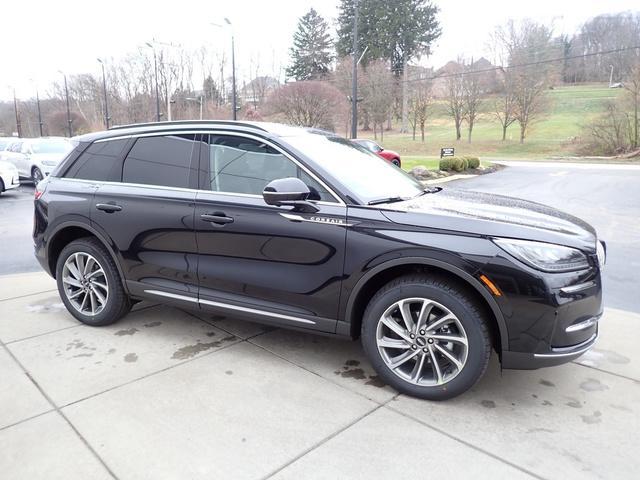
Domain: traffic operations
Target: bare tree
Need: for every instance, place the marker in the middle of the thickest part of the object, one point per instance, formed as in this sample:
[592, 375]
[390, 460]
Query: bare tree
[472, 92]
[456, 107]
[375, 92]
[528, 47]
[504, 106]
[308, 103]
[419, 103]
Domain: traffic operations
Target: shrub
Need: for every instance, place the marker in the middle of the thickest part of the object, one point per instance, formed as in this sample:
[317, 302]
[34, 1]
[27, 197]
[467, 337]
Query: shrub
[457, 164]
[445, 164]
[473, 162]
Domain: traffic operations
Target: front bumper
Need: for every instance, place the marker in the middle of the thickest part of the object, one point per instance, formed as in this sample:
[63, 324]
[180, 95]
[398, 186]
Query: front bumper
[556, 356]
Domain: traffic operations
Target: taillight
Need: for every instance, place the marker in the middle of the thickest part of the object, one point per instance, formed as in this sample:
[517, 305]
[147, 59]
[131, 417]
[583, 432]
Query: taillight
[38, 193]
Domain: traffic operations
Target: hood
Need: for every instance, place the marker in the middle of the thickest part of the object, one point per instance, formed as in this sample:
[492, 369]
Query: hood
[53, 157]
[492, 215]
[7, 166]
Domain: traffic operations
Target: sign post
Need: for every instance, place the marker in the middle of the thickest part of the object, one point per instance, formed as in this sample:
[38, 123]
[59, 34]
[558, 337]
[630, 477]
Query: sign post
[447, 152]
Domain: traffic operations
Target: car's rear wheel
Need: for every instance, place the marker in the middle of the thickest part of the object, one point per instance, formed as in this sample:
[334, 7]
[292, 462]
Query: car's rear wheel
[396, 162]
[426, 337]
[36, 175]
[89, 283]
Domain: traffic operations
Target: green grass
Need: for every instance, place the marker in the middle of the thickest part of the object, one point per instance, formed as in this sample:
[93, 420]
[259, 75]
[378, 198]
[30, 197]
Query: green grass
[556, 133]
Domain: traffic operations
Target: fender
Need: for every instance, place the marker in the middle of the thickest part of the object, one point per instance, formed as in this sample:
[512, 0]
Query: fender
[95, 233]
[502, 326]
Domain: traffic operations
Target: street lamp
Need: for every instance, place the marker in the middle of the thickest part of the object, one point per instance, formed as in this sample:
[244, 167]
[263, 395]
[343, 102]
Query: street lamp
[200, 100]
[66, 94]
[104, 91]
[234, 101]
[40, 124]
[15, 108]
[155, 64]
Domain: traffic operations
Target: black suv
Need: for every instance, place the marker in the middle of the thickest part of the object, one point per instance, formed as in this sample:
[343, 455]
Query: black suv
[304, 229]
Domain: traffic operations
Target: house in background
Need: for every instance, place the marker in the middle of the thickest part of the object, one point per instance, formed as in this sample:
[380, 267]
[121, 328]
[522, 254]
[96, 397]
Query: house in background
[257, 90]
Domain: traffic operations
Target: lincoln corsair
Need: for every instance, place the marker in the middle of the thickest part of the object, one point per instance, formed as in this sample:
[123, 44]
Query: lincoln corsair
[302, 229]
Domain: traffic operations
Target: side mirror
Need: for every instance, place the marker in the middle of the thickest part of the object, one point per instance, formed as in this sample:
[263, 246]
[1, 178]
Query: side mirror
[291, 192]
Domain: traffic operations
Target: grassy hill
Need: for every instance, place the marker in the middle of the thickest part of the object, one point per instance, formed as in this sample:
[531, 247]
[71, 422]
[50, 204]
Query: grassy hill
[555, 133]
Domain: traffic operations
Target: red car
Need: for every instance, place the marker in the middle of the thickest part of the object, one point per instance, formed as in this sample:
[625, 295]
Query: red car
[388, 155]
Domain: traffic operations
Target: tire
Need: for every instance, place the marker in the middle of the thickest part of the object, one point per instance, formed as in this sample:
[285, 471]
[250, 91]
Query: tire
[79, 290]
[396, 162]
[1, 186]
[36, 175]
[464, 321]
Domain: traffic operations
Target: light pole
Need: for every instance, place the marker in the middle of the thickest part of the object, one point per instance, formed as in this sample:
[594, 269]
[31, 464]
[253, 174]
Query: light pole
[155, 65]
[200, 100]
[66, 94]
[104, 92]
[354, 76]
[40, 124]
[15, 108]
[234, 97]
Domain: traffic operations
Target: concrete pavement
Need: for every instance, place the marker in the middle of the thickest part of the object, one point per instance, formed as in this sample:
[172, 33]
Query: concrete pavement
[166, 393]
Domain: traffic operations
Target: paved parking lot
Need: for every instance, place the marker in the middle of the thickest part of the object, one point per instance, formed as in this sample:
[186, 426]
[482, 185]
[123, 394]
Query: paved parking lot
[167, 393]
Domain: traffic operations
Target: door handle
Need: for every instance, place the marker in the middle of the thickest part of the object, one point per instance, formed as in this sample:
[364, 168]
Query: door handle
[216, 217]
[108, 207]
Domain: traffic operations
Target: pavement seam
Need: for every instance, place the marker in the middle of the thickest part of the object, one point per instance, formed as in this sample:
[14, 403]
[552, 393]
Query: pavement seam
[213, 324]
[326, 439]
[77, 325]
[27, 295]
[151, 374]
[464, 442]
[59, 411]
[320, 376]
[607, 371]
[26, 419]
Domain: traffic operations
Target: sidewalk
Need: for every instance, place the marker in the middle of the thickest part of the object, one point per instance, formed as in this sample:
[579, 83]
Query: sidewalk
[171, 394]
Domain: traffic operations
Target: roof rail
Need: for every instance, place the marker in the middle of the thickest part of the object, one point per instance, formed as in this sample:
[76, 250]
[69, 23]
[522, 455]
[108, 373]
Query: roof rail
[188, 122]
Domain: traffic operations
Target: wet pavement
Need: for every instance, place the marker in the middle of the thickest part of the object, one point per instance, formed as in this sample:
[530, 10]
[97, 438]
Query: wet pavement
[167, 393]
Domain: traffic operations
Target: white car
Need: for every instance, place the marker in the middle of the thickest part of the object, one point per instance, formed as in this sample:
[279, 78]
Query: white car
[8, 177]
[35, 158]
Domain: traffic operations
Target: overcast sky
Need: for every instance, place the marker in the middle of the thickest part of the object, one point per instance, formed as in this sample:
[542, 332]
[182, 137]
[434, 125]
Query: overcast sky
[40, 37]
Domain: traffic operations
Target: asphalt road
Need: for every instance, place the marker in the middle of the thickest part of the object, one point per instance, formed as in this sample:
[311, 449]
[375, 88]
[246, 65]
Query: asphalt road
[607, 196]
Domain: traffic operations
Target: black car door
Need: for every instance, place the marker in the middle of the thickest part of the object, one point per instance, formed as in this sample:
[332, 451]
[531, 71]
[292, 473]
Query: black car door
[149, 216]
[268, 263]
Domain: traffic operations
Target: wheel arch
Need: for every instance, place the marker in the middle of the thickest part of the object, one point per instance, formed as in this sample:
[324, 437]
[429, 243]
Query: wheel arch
[378, 276]
[69, 231]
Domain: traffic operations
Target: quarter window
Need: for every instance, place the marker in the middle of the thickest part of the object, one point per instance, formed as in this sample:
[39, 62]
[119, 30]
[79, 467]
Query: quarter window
[98, 162]
[162, 160]
[243, 165]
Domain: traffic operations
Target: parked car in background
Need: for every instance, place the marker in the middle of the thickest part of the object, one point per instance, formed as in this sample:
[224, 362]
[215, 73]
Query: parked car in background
[389, 155]
[35, 158]
[8, 177]
[5, 142]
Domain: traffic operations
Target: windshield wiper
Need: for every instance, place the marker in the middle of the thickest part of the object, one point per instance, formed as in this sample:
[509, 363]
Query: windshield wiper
[378, 201]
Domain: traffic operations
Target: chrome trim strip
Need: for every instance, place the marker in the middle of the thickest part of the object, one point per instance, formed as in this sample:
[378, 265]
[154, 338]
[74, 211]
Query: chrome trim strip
[580, 351]
[578, 288]
[589, 322]
[299, 218]
[172, 295]
[237, 134]
[229, 306]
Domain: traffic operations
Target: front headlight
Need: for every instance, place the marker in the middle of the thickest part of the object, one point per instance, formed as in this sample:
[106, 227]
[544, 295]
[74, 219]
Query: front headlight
[547, 257]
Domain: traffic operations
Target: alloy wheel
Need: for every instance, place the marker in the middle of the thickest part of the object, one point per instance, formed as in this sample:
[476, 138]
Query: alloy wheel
[85, 284]
[422, 341]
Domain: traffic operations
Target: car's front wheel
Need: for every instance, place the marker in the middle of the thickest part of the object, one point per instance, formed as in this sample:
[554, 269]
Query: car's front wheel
[89, 283]
[426, 337]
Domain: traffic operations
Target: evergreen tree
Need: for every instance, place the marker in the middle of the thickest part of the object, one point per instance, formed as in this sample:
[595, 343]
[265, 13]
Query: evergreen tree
[311, 52]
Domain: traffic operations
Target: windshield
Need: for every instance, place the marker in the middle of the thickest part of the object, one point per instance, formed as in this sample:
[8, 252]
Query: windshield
[368, 176]
[51, 146]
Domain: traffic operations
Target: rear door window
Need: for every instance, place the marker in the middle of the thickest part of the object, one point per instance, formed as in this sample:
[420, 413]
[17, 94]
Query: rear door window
[162, 160]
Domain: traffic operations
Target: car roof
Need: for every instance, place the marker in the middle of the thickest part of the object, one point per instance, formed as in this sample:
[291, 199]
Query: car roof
[261, 128]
